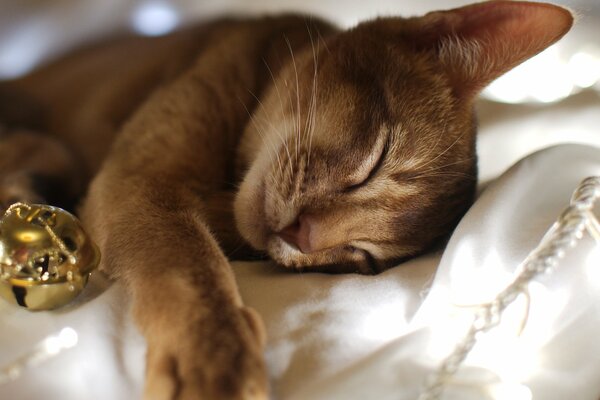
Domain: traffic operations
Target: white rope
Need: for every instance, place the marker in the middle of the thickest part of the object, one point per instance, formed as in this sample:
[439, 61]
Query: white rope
[563, 235]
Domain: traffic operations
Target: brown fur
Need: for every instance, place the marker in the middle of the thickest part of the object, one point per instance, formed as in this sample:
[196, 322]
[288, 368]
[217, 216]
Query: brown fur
[351, 150]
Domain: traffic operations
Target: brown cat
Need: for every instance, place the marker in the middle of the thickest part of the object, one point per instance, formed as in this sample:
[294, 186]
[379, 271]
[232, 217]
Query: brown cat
[352, 150]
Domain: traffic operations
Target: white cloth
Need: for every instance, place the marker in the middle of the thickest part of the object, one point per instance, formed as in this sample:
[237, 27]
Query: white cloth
[557, 355]
[354, 337]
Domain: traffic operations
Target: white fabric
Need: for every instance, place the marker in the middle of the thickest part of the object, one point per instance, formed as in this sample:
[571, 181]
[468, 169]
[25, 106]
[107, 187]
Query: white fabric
[350, 336]
[354, 337]
[557, 355]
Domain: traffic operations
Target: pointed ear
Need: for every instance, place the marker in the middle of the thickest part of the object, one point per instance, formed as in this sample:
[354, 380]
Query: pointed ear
[479, 42]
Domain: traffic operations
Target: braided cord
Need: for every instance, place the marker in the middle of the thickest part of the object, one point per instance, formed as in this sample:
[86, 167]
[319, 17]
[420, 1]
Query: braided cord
[562, 236]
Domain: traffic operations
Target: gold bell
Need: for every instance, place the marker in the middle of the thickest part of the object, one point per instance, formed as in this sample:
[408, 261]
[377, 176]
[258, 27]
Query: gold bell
[45, 256]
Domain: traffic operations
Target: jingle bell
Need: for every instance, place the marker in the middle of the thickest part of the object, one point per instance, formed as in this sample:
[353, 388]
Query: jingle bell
[45, 256]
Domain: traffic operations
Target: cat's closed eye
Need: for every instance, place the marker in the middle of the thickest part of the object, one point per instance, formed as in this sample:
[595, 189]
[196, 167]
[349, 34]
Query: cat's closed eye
[370, 166]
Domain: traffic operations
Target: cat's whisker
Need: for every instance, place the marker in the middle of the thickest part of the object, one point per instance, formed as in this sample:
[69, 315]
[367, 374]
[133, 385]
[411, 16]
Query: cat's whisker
[231, 184]
[449, 165]
[282, 137]
[273, 146]
[273, 128]
[443, 152]
[294, 116]
[240, 243]
[313, 104]
[299, 115]
[322, 40]
[439, 137]
[292, 113]
[313, 120]
[259, 130]
[427, 154]
[308, 114]
[442, 174]
[311, 129]
[287, 144]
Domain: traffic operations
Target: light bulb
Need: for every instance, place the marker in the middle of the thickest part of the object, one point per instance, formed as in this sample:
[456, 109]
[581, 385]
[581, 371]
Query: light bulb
[154, 19]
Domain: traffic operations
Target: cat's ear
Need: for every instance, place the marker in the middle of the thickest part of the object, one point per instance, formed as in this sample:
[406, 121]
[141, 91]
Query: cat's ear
[479, 42]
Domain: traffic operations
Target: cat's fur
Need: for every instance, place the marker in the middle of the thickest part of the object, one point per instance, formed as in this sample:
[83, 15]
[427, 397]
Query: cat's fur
[351, 150]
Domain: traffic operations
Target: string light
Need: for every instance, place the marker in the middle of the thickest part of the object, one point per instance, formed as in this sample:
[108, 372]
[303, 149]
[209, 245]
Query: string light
[548, 77]
[45, 349]
[505, 391]
[155, 18]
[562, 236]
[592, 270]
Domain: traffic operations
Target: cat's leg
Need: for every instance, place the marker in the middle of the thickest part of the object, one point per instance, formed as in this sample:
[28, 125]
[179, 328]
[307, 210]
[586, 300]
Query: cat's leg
[37, 168]
[149, 211]
[203, 343]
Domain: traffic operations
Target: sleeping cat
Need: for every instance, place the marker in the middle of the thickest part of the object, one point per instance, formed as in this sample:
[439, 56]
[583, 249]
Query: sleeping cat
[349, 150]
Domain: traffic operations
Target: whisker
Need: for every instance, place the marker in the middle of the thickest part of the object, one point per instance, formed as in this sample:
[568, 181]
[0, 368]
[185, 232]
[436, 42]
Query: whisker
[313, 103]
[432, 148]
[448, 165]
[273, 144]
[306, 122]
[232, 184]
[239, 243]
[322, 39]
[283, 139]
[293, 116]
[297, 97]
[311, 128]
[261, 105]
[443, 152]
[258, 129]
[442, 174]
[292, 112]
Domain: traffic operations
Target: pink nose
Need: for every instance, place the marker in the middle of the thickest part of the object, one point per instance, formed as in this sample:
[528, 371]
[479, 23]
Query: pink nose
[298, 234]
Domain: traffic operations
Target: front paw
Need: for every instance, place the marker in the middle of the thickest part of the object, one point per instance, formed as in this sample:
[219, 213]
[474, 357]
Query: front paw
[215, 357]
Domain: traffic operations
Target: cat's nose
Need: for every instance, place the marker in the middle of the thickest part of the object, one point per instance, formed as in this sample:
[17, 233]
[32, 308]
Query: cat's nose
[298, 234]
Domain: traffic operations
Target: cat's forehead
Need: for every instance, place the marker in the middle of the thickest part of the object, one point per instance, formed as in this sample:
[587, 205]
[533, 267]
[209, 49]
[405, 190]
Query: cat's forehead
[355, 87]
[386, 77]
[399, 105]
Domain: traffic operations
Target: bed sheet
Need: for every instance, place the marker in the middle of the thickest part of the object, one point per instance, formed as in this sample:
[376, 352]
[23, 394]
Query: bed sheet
[352, 336]
[357, 337]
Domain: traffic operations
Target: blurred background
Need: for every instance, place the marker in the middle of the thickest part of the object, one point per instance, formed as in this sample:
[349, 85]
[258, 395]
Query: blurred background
[561, 84]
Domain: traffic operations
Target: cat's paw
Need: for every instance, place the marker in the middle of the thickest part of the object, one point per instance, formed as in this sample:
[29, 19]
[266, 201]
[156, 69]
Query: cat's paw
[217, 358]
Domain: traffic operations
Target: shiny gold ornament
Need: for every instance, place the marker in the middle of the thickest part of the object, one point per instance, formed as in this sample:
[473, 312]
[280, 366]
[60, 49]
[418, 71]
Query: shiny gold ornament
[45, 256]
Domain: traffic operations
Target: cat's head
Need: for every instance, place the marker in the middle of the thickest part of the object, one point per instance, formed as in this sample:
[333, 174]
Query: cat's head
[363, 149]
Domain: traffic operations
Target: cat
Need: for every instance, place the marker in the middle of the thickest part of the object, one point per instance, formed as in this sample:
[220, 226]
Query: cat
[327, 150]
